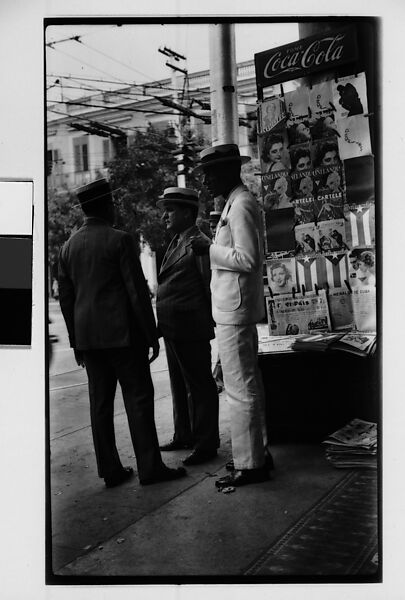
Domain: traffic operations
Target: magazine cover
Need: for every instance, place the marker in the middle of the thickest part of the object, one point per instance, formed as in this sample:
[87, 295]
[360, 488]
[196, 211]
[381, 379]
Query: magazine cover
[364, 308]
[271, 114]
[303, 192]
[301, 158]
[280, 234]
[301, 314]
[273, 151]
[362, 267]
[332, 236]
[359, 180]
[325, 153]
[333, 269]
[281, 275]
[309, 272]
[306, 239]
[360, 225]
[350, 95]
[354, 137]
[277, 192]
[341, 309]
[321, 99]
[298, 126]
[329, 201]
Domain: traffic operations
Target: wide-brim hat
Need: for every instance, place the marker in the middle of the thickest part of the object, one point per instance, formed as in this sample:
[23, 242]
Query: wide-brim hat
[98, 190]
[178, 195]
[221, 153]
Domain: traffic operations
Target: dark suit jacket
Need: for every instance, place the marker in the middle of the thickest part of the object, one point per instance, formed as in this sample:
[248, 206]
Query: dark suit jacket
[183, 302]
[102, 290]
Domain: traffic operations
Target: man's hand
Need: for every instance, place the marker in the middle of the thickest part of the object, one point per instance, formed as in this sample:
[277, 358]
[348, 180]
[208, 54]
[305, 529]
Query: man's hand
[79, 357]
[200, 244]
[155, 352]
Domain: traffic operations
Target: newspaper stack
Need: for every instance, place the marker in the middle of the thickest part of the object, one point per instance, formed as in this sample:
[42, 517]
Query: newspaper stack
[318, 342]
[355, 445]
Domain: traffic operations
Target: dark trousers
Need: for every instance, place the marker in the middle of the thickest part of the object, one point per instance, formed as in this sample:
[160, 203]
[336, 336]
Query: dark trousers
[130, 367]
[194, 393]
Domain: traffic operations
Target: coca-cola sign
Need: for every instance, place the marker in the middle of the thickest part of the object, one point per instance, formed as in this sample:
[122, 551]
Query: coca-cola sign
[320, 52]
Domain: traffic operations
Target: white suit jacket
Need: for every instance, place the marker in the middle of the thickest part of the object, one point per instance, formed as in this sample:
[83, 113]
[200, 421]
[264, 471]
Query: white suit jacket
[237, 262]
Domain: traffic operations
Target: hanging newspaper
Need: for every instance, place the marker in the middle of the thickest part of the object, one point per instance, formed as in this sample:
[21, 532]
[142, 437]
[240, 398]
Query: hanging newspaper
[299, 314]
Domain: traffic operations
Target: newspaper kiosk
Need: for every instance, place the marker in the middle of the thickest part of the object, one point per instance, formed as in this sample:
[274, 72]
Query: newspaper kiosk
[319, 168]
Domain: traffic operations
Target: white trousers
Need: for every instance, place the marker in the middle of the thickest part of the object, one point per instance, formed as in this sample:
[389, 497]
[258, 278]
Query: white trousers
[237, 347]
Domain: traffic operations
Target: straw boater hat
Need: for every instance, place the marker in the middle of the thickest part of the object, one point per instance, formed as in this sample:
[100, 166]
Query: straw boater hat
[178, 195]
[215, 215]
[96, 190]
[220, 154]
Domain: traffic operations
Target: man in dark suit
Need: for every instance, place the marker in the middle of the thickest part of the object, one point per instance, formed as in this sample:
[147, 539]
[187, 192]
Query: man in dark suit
[183, 308]
[111, 326]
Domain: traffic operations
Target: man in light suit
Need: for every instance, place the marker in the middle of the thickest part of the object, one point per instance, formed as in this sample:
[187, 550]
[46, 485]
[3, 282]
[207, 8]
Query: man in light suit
[183, 308]
[236, 257]
[106, 306]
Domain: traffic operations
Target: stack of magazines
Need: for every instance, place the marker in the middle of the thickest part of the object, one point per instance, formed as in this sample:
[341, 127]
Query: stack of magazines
[356, 342]
[355, 445]
[318, 342]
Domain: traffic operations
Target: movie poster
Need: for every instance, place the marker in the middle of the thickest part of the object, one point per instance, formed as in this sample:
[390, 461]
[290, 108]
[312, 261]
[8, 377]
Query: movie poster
[301, 314]
[360, 225]
[354, 137]
[273, 150]
[271, 114]
[306, 239]
[350, 95]
[281, 275]
[362, 271]
[277, 191]
[332, 236]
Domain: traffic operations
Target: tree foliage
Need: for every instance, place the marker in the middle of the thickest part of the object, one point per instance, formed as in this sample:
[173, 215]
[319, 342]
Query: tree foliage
[139, 173]
[64, 217]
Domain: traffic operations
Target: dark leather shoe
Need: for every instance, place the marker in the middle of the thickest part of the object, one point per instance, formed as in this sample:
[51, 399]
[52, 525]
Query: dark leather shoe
[245, 477]
[174, 445]
[197, 457]
[164, 474]
[268, 463]
[119, 478]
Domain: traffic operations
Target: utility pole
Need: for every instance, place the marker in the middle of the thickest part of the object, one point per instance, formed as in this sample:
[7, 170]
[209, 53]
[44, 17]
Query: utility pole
[223, 83]
[224, 103]
[177, 125]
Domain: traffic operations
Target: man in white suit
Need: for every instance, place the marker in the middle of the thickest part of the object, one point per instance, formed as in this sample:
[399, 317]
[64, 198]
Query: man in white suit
[236, 256]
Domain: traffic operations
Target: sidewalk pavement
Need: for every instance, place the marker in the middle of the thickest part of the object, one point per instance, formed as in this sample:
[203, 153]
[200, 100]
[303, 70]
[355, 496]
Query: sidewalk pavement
[182, 528]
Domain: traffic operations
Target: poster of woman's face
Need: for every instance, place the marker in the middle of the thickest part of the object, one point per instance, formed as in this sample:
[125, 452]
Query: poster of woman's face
[274, 155]
[362, 267]
[301, 159]
[326, 153]
[281, 275]
[298, 126]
